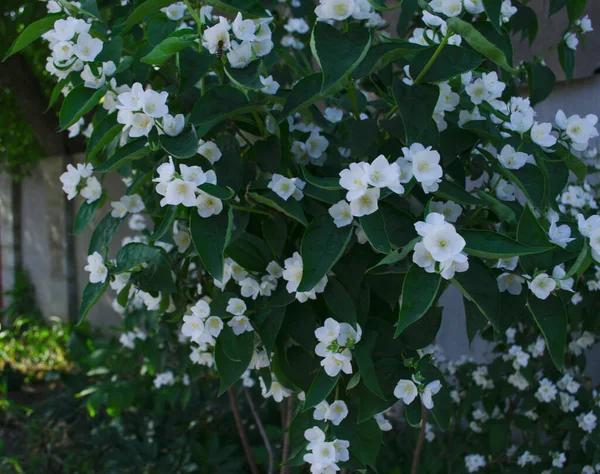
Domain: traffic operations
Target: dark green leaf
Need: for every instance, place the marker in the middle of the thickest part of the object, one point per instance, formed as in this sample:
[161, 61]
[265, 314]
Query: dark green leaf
[166, 223]
[290, 208]
[33, 31]
[306, 92]
[91, 294]
[219, 103]
[103, 134]
[167, 49]
[274, 231]
[362, 353]
[210, 237]
[415, 105]
[373, 226]
[185, 145]
[322, 386]
[247, 77]
[104, 233]
[322, 245]
[142, 11]
[230, 371]
[339, 302]
[86, 214]
[380, 55]
[250, 8]
[551, 317]
[269, 323]
[488, 244]
[131, 151]
[566, 56]
[451, 61]
[492, 10]
[541, 81]
[419, 291]
[78, 103]
[453, 192]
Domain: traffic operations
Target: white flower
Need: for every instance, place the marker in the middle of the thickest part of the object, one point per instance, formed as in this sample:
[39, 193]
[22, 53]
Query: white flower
[293, 272]
[587, 422]
[512, 159]
[458, 263]
[579, 130]
[250, 288]
[558, 274]
[243, 29]
[447, 7]
[314, 436]
[354, 180]
[422, 257]
[175, 11]
[474, 6]
[240, 324]
[366, 203]
[334, 9]
[64, 30]
[333, 114]
[571, 40]
[92, 81]
[179, 191]
[236, 306]
[240, 55]
[383, 422]
[511, 283]
[341, 213]
[329, 332]
[213, 325]
[87, 48]
[282, 186]
[425, 166]
[208, 205]
[316, 145]
[541, 134]
[474, 462]
[165, 378]
[210, 151]
[173, 126]
[585, 24]
[333, 363]
[96, 267]
[381, 174]
[428, 392]
[450, 210]
[546, 392]
[271, 86]
[217, 36]
[406, 390]
[560, 234]
[201, 309]
[193, 327]
[542, 285]
[154, 103]
[443, 242]
[320, 413]
[141, 125]
[507, 11]
[92, 190]
[337, 412]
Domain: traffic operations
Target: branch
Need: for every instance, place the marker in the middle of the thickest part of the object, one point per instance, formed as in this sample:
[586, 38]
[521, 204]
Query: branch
[242, 432]
[261, 430]
[287, 410]
[420, 441]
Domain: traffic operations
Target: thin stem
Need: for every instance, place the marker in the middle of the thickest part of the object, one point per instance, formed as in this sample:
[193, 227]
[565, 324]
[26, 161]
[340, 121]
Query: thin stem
[259, 124]
[286, 419]
[248, 209]
[433, 58]
[242, 432]
[391, 112]
[420, 441]
[193, 12]
[261, 430]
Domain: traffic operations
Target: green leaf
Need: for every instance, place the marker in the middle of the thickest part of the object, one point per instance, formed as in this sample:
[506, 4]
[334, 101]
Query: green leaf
[217, 191]
[575, 164]
[478, 284]
[551, 317]
[135, 254]
[380, 55]
[575, 9]
[531, 233]
[250, 8]
[236, 347]
[479, 42]
[269, 323]
[566, 57]
[422, 332]
[492, 10]
[451, 61]
[131, 151]
[210, 237]
[155, 275]
[322, 245]
[192, 66]
[582, 258]
[251, 252]
[365, 438]
[533, 182]
[247, 77]
[541, 81]
[373, 226]
[322, 386]
[166, 223]
[33, 31]
[339, 302]
[91, 294]
[104, 233]
[454, 192]
[475, 320]
[362, 353]
[274, 231]
[143, 10]
[103, 134]
[290, 208]
[183, 146]
[488, 244]
[86, 214]
[230, 371]
[330, 184]
[167, 49]
[415, 105]
[219, 103]
[78, 103]
[419, 291]
[306, 92]
[337, 53]
[504, 213]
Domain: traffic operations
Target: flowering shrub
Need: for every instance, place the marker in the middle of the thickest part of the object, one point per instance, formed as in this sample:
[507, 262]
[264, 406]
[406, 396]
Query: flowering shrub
[315, 185]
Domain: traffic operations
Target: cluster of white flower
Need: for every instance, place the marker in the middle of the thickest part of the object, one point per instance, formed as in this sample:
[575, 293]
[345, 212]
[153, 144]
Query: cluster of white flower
[363, 183]
[312, 150]
[452, 8]
[127, 339]
[140, 109]
[199, 326]
[335, 412]
[323, 456]
[480, 377]
[240, 322]
[250, 287]
[590, 228]
[292, 273]
[528, 458]
[340, 10]
[581, 343]
[336, 341]
[542, 285]
[580, 27]
[96, 267]
[287, 187]
[79, 180]
[587, 421]
[441, 244]
[474, 462]
[547, 391]
[182, 188]
[575, 130]
[254, 36]
[294, 25]
[276, 391]
[72, 46]
[175, 11]
[575, 198]
[164, 378]
[407, 390]
[127, 204]
[434, 34]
